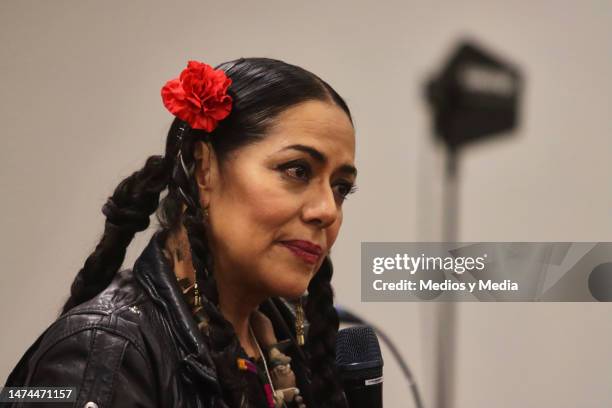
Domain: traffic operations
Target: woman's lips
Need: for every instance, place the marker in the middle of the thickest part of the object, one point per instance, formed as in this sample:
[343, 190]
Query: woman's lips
[305, 250]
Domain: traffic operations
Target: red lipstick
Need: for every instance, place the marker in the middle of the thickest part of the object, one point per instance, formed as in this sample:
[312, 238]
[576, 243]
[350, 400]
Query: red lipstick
[305, 250]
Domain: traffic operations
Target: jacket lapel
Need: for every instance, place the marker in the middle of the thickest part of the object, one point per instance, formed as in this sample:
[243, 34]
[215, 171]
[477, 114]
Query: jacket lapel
[154, 272]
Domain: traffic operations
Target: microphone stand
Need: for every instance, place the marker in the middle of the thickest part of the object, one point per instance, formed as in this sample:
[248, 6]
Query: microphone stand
[446, 320]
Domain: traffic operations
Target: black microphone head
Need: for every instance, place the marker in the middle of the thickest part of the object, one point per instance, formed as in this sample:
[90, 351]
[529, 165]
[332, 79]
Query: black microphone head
[358, 352]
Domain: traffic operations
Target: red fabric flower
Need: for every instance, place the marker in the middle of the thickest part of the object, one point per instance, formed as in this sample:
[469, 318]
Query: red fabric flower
[198, 96]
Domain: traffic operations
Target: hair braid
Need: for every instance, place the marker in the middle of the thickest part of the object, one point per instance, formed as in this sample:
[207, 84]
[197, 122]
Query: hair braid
[321, 341]
[222, 341]
[127, 212]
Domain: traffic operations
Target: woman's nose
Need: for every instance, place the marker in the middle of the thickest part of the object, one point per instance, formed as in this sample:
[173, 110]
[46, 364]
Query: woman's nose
[321, 207]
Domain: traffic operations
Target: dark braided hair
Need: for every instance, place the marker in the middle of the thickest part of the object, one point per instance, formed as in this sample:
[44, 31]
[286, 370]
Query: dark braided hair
[261, 89]
[321, 342]
[127, 212]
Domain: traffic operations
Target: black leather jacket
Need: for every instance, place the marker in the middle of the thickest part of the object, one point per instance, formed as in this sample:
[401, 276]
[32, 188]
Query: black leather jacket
[136, 345]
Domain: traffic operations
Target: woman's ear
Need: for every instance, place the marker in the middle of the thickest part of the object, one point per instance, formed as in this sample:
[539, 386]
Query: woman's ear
[206, 170]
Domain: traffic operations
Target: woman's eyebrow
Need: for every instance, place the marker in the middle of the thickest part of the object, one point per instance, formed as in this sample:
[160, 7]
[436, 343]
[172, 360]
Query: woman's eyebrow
[321, 158]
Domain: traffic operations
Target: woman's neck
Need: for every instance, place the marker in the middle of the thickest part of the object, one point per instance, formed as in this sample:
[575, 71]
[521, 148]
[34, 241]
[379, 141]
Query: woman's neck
[235, 302]
[238, 305]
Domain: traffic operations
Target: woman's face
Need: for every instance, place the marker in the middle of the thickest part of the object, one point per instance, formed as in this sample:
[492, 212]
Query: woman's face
[275, 206]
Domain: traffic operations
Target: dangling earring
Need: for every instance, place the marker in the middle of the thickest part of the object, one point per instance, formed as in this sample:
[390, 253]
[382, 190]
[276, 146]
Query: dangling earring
[197, 301]
[299, 320]
[205, 221]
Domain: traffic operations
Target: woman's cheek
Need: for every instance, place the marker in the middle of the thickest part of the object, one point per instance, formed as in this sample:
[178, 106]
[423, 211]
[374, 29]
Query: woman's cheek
[333, 232]
[266, 201]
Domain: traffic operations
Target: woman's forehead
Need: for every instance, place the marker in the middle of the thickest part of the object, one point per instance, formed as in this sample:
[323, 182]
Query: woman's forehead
[322, 125]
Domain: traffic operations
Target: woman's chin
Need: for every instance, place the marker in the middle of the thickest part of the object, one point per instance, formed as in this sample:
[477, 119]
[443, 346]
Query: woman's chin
[292, 290]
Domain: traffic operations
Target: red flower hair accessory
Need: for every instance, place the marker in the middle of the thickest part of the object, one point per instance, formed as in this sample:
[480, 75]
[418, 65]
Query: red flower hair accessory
[199, 96]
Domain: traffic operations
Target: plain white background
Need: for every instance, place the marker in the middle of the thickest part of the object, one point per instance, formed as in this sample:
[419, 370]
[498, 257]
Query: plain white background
[81, 109]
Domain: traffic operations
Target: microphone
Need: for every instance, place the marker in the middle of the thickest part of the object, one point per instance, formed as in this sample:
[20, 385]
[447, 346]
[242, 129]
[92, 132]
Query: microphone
[360, 365]
[346, 316]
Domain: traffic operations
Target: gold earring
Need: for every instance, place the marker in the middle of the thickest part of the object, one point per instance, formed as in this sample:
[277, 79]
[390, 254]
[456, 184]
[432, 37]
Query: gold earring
[299, 320]
[197, 301]
[205, 212]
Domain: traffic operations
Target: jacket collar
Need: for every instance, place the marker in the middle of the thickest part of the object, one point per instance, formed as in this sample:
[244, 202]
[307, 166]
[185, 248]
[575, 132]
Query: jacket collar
[155, 273]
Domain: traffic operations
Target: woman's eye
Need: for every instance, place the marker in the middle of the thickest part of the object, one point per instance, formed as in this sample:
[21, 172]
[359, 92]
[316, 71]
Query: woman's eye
[298, 171]
[344, 189]
[303, 172]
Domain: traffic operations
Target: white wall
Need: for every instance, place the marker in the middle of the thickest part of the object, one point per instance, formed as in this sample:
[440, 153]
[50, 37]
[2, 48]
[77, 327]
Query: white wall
[81, 110]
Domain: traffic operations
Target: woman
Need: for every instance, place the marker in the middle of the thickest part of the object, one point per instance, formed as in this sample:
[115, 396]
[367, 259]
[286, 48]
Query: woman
[257, 165]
